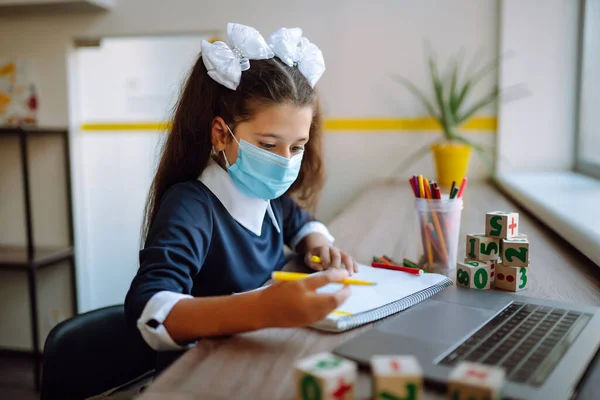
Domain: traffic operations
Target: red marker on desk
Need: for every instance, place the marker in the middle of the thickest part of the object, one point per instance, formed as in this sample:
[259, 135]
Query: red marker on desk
[413, 271]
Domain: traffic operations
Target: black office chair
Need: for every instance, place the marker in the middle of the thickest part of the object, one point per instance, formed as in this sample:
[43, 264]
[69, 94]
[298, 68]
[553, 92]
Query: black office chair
[92, 353]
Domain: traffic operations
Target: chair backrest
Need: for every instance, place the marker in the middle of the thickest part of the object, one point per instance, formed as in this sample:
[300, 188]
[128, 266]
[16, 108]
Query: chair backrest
[91, 353]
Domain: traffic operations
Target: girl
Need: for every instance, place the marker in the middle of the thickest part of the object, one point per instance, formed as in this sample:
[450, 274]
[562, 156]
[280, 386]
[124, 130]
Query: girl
[246, 135]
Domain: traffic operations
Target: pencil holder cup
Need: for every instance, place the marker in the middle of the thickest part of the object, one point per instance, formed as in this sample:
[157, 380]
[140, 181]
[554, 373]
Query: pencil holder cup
[438, 227]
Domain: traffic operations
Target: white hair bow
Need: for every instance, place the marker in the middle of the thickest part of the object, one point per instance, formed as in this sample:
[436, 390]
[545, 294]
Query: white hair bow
[225, 64]
[295, 50]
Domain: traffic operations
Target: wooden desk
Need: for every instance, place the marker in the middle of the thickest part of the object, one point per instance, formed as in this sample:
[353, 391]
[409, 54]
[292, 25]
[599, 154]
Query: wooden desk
[259, 365]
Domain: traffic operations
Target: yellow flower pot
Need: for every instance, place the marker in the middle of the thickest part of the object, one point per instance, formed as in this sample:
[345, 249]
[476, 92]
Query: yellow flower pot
[451, 162]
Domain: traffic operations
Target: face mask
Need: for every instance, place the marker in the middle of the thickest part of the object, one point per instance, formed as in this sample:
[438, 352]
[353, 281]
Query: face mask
[260, 173]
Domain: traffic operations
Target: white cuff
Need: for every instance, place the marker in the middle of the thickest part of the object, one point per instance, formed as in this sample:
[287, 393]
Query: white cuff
[151, 321]
[308, 228]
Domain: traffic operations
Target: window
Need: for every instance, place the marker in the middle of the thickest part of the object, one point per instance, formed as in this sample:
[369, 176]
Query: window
[588, 143]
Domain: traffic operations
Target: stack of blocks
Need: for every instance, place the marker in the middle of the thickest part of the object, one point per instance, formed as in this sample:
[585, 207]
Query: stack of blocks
[499, 258]
[325, 376]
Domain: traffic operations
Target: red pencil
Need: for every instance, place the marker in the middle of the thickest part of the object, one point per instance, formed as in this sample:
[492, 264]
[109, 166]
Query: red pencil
[416, 185]
[413, 271]
[412, 185]
[462, 188]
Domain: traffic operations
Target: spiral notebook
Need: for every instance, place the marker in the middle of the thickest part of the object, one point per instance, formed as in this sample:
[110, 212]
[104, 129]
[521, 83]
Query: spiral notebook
[394, 291]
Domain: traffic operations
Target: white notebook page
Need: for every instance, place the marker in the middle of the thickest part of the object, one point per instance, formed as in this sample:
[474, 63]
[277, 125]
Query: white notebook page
[390, 286]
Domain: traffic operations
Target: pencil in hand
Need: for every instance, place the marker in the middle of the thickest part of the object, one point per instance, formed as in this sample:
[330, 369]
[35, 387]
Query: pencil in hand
[284, 276]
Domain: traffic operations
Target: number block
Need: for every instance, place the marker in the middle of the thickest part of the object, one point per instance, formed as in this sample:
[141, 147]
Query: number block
[474, 274]
[482, 248]
[472, 381]
[511, 278]
[492, 269]
[515, 252]
[396, 377]
[325, 376]
[502, 224]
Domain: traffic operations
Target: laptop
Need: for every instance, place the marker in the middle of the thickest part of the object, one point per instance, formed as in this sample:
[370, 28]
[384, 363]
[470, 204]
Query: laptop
[544, 346]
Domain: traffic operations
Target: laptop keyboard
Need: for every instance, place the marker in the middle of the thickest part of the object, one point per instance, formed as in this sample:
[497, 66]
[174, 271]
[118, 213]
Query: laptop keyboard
[527, 340]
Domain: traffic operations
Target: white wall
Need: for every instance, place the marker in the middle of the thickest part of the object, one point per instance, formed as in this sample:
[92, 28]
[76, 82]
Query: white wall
[362, 43]
[539, 133]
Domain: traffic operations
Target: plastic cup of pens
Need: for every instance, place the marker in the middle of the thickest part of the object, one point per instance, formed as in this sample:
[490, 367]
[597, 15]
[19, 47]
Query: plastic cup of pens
[437, 217]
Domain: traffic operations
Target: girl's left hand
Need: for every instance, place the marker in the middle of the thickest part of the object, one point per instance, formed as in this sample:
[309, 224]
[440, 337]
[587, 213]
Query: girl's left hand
[331, 257]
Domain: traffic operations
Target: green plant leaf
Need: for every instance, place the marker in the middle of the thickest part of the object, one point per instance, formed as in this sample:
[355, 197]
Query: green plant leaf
[415, 91]
[489, 67]
[453, 94]
[489, 99]
[471, 65]
[422, 151]
[438, 87]
[479, 149]
[463, 94]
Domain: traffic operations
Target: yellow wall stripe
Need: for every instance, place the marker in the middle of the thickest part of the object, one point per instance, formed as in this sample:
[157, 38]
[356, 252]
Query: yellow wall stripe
[335, 125]
[404, 124]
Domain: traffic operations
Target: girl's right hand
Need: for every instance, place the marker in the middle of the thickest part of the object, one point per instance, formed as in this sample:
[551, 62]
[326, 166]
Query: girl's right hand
[297, 304]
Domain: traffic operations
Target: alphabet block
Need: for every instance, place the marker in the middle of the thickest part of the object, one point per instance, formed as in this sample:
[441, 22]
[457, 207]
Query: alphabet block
[326, 376]
[396, 377]
[515, 252]
[472, 381]
[474, 274]
[502, 224]
[511, 278]
[482, 248]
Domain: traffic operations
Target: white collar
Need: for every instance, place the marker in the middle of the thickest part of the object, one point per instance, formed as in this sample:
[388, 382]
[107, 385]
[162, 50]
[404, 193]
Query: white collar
[247, 211]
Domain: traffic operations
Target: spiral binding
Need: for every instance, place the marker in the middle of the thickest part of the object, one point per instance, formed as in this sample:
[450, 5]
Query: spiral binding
[352, 321]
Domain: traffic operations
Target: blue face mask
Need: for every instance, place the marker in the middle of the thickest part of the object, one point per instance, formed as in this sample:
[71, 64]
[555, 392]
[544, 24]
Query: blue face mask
[260, 173]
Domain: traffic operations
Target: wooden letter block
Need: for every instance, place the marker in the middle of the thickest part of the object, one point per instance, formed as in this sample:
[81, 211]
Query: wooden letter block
[482, 248]
[515, 252]
[474, 274]
[396, 377]
[501, 224]
[472, 381]
[511, 278]
[325, 376]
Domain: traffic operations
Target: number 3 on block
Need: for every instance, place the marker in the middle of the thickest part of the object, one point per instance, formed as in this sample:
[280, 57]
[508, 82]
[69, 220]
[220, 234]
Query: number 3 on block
[523, 278]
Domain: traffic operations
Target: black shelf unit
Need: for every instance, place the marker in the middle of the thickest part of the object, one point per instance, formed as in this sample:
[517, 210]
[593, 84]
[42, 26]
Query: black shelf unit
[29, 258]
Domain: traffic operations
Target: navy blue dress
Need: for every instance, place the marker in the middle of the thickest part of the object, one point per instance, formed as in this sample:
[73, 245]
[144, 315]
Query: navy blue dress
[196, 247]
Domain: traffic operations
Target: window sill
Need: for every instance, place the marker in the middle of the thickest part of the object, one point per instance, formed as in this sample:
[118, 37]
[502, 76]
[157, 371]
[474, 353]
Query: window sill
[568, 202]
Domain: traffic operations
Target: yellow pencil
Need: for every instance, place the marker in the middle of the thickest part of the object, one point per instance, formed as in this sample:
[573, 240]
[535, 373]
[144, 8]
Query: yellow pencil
[421, 188]
[283, 276]
[424, 187]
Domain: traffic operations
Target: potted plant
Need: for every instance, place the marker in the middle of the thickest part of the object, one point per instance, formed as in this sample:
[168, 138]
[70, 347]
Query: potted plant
[451, 108]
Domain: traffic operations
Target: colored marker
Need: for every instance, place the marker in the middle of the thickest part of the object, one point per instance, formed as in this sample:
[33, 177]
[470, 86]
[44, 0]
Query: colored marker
[284, 276]
[398, 268]
[412, 185]
[421, 188]
[462, 187]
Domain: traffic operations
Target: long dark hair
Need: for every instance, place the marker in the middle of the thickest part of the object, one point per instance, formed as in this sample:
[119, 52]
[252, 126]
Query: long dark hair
[188, 145]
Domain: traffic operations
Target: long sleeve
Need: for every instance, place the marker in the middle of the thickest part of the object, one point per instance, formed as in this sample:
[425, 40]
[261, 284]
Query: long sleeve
[297, 223]
[173, 254]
